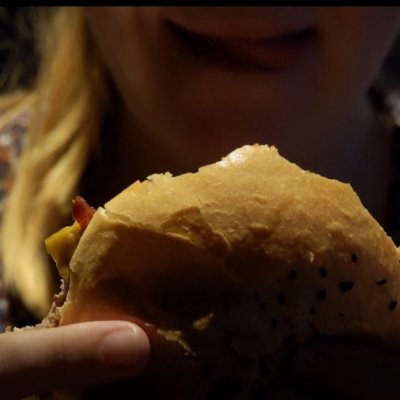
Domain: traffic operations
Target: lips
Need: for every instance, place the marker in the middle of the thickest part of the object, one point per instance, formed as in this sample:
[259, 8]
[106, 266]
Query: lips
[248, 54]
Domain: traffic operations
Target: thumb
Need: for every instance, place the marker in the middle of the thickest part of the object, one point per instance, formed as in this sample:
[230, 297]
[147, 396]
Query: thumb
[40, 360]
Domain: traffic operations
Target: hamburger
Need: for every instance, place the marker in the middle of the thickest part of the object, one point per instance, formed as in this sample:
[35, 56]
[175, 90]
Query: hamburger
[227, 270]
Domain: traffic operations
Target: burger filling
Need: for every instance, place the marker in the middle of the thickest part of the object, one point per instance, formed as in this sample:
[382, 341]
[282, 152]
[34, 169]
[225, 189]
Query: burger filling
[62, 244]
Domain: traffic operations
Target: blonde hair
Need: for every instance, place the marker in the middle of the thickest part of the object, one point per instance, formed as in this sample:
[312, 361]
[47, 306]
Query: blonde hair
[66, 106]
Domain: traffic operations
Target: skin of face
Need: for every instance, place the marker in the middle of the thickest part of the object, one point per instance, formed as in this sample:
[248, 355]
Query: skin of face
[174, 94]
[184, 110]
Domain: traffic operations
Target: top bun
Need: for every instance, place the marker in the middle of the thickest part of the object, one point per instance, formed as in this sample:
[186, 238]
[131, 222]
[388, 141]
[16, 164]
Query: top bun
[230, 267]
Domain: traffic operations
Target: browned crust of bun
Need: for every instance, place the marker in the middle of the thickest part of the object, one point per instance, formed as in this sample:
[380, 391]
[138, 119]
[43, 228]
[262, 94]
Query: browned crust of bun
[229, 267]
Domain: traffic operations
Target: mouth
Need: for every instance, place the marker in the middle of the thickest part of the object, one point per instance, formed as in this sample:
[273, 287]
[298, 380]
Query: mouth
[241, 54]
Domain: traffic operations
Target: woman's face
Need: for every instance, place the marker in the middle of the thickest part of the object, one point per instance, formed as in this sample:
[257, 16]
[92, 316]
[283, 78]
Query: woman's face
[215, 78]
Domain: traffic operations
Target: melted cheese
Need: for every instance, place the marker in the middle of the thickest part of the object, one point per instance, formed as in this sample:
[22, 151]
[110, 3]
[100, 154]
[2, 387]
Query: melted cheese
[61, 246]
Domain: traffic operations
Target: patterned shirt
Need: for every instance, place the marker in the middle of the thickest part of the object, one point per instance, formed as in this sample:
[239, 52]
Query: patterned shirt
[11, 144]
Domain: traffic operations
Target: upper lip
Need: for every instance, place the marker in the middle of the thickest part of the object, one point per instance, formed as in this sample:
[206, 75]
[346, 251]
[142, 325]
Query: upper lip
[242, 22]
[256, 53]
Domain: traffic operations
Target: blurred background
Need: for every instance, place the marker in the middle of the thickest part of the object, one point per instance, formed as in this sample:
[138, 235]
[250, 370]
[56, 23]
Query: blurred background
[17, 47]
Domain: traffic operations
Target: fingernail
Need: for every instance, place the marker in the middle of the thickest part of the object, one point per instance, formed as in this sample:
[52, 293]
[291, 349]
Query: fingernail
[307, 365]
[128, 346]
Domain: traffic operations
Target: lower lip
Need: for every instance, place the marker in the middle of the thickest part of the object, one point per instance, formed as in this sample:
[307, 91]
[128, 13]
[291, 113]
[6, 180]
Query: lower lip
[243, 54]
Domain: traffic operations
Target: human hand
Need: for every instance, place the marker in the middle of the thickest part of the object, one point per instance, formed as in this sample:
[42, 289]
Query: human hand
[41, 360]
[328, 368]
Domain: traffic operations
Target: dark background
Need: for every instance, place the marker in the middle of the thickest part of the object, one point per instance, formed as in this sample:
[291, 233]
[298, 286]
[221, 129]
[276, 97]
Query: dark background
[17, 47]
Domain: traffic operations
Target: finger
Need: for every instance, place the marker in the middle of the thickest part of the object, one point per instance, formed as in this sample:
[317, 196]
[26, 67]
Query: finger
[39, 360]
[335, 369]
